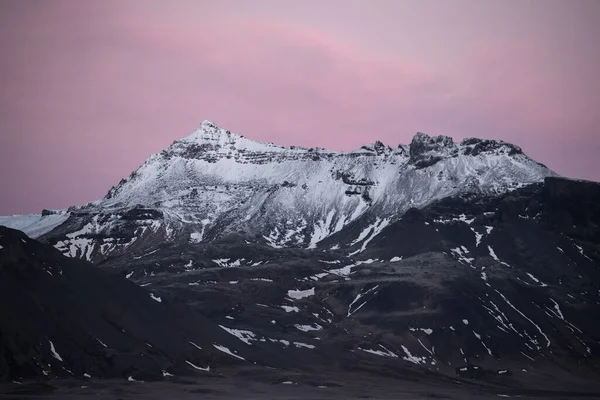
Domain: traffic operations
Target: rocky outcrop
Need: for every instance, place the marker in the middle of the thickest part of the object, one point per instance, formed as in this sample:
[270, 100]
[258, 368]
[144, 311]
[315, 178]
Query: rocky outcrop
[425, 150]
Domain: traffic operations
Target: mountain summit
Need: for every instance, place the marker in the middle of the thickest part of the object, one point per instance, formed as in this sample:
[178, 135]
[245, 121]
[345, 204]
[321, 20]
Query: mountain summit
[213, 183]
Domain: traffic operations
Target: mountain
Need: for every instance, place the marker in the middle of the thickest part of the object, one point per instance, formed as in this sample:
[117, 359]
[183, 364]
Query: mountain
[61, 317]
[465, 262]
[213, 183]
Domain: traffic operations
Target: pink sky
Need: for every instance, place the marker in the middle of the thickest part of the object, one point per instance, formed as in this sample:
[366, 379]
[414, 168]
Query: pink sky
[89, 89]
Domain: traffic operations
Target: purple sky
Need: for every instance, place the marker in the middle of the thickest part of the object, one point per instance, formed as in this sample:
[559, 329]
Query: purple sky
[89, 89]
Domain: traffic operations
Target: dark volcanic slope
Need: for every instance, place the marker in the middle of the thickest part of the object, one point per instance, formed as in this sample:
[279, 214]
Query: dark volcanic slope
[499, 290]
[65, 317]
[491, 288]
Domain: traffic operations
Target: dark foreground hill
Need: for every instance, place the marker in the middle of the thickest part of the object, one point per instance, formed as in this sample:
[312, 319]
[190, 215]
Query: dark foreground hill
[61, 317]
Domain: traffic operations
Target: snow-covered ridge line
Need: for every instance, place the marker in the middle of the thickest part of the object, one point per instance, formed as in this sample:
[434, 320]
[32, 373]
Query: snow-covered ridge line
[214, 181]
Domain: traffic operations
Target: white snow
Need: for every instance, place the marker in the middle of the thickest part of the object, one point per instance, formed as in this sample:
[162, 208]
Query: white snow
[581, 251]
[155, 298]
[369, 234]
[102, 343]
[35, 225]
[242, 179]
[129, 275]
[322, 229]
[226, 263]
[227, 351]
[460, 218]
[54, 353]
[536, 280]
[396, 259]
[478, 237]
[478, 336]
[165, 373]
[308, 328]
[195, 345]
[413, 359]
[303, 345]
[465, 321]
[557, 308]
[86, 375]
[495, 257]
[300, 294]
[196, 237]
[282, 341]
[347, 270]
[317, 277]
[524, 316]
[207, 369]
[461, 253]
[290, 308]
[245, 336]
[358, 297]
[427, 331]
[382, 353]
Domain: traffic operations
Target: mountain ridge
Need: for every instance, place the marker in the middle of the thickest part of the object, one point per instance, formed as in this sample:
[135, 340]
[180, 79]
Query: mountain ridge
[465, 260]
[213, 183]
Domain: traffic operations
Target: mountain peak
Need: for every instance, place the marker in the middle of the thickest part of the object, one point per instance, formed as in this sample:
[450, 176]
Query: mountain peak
[426, 150]
[208, 124]
[209, 133]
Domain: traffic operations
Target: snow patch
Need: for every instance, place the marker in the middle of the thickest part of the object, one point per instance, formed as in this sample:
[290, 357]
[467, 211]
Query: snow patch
[195, 345]
[227, 351]
[207, 369]
[245, 336]
[54, 352]
[382, 353]
[413, 359]
[308, 328]
[155, 298]
[427, 331]
[495, 257]
[300, 294]
[303, 345]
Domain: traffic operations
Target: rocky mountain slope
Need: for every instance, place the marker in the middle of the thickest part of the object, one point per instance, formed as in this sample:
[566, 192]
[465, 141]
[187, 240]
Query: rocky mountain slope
[64, 317]
[213, 183]
[467, 261]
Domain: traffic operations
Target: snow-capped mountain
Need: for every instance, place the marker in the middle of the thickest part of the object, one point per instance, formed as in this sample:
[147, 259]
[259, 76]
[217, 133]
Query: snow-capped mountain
[465, 260]
[214, 182]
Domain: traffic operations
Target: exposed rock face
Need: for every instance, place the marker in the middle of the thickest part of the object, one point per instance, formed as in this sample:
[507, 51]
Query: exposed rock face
[425, 151]
[474, 147]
